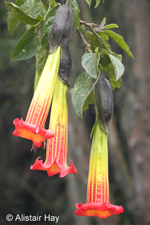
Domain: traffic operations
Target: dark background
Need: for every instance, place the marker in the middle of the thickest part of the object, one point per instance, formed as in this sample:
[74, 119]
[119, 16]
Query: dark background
[23, 191]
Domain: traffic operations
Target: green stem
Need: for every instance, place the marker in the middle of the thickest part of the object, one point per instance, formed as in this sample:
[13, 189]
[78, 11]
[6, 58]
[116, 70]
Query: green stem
[36, 80]
[53, 3]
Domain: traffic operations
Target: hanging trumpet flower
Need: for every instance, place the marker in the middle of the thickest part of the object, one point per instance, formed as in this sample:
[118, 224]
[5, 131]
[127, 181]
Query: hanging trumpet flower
[98, 183]
[32, 127]
[56, 153]
[60, 35]
[62, 19]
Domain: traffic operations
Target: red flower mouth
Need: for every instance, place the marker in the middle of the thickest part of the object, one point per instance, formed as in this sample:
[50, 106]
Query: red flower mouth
[101, 210]
[54, 168]
[32, 132]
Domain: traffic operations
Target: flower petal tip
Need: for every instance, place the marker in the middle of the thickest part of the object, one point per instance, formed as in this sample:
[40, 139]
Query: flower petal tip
[38, 165]
[72, 168]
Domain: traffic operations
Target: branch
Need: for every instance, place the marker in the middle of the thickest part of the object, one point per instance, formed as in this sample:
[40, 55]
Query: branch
[91, 25]
[87, 46]
[98, 37]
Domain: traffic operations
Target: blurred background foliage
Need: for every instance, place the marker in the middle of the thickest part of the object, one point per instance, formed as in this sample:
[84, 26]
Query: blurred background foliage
[23, 191]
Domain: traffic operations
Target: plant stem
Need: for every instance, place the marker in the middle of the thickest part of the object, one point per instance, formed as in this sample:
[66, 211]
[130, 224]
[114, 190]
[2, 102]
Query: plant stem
[88, 24]
[87, 46]
[67, 2]
[53, 3]
[91, 25]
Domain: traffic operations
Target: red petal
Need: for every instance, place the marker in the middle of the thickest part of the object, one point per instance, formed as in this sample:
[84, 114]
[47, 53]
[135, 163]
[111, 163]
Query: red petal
[101, 210]
[72, 168]
[38, 165]
[54, 168]
[32, 132]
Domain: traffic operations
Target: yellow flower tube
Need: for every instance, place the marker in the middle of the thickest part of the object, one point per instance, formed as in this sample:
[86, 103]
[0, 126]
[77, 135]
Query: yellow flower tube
[32, 127]
[56, 153]
[98, 183]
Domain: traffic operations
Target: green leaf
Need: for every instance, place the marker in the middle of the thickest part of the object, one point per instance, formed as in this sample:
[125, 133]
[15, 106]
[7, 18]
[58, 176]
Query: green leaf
[31, 8]
[103, 68]
[76, 11]
[104, 44]
[97, 3]
[84, 85]
[41, 57]
[93, 41]
[12, 22]
[89, 2]
[42, 10]
[120, 41]
[27, 45]
[118, 66]
[114, 66]
[110, 26]
[90, 62]
[49, 18]
[112, 77]
[98, 41]
[22, 16]
[93, 129]
[104, 60]
[89, 35]
[82, 28]
[103, 35]
[44, 41]
[88, 101]
[103, 22]
[20, 2]
[36, 80]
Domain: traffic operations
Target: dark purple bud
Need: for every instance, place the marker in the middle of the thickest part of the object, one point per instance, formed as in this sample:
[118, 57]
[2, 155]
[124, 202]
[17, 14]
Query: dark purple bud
[65, 65]
[103, 101]
[62, 27]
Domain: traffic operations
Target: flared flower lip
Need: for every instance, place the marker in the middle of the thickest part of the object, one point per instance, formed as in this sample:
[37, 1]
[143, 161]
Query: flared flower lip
[54, 168]
[101, 210]
[32, 132]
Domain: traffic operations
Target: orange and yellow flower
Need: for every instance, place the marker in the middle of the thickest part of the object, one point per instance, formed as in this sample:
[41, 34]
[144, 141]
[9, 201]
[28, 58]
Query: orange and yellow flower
[56, 153]
[32, 127]
[98, 183]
